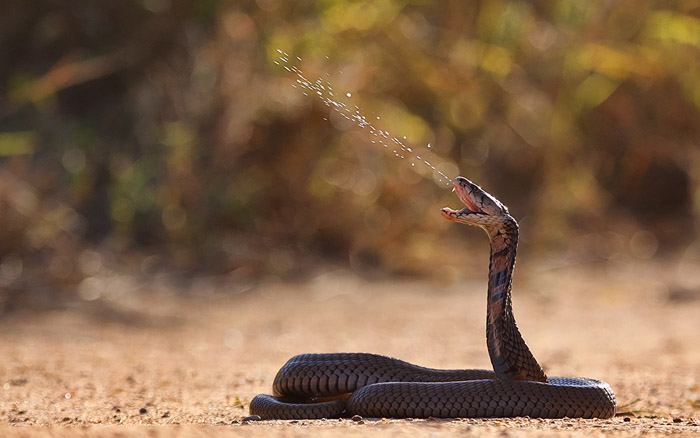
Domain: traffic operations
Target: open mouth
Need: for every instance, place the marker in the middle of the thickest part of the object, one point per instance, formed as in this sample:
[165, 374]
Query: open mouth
[461, 187]
[465, 197]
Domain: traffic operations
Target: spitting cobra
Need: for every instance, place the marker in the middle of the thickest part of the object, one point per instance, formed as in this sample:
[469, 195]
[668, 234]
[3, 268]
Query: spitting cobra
[371, 385]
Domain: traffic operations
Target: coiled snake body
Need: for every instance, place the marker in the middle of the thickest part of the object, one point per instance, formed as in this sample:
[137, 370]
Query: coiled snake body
[336, 384]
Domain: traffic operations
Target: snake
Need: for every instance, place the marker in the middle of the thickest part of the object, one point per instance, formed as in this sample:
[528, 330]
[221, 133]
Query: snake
[334, 385]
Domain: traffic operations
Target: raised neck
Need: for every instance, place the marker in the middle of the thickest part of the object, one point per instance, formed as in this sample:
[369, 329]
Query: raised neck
[510, 356]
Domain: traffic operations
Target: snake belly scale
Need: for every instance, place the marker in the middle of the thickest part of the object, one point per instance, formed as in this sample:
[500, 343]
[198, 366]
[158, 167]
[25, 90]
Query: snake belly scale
[343, 384]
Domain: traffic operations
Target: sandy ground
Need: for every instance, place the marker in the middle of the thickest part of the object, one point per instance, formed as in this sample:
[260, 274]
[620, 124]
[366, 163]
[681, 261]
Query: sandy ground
[154, 360]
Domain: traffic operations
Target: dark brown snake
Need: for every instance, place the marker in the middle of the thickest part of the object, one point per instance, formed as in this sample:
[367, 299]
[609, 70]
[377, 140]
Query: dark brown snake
[370, 385]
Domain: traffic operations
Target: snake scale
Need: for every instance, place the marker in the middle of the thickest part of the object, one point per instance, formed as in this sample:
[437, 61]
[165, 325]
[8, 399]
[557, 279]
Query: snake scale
[343, 384]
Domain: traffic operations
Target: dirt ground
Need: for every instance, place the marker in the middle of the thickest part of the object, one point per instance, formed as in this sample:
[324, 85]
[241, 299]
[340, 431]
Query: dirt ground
[159, 360]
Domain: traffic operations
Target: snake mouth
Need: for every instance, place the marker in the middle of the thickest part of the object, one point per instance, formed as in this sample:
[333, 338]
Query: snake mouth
[462, 187]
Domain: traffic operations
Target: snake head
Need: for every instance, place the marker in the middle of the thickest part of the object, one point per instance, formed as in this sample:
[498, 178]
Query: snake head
[481, 209]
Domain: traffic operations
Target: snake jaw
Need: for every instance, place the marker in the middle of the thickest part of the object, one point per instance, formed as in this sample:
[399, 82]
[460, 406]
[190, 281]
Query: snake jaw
[455, 215]
[465, 190]
[480, 207]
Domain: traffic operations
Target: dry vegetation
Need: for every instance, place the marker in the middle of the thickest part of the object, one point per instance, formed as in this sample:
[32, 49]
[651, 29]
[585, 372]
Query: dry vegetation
[164, 129]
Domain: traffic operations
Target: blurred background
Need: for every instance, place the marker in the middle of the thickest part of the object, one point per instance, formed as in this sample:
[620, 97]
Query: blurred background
[148, 137]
